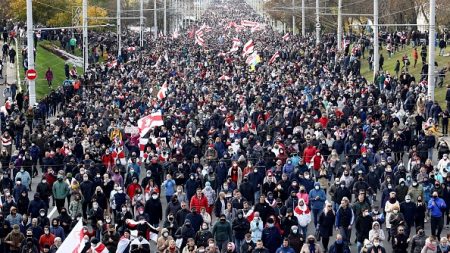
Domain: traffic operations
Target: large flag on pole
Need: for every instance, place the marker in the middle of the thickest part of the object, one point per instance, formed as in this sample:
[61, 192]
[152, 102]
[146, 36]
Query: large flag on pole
[73, 242]
[274, 57]
[248, 48]
[150, 121]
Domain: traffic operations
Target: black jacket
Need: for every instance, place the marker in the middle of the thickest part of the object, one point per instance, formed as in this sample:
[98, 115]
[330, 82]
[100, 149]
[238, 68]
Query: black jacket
[363, 225]
[240, 228]
[153, 207]
[326, 223]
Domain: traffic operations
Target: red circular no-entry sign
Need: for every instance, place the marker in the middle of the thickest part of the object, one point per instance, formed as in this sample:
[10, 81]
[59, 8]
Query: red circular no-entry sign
[31, 74]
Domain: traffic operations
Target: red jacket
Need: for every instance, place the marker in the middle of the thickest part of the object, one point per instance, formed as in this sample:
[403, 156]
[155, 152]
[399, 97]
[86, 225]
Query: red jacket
[308, 153]
[198, 203]
[108, 161]
[46, 239]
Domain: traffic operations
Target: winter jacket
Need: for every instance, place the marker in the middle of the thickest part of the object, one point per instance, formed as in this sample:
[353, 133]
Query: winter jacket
[25, 177]
[256, 228]
[319, 203]
[222, 231]
[271, 238]
[409, 211]
[60, 190]
[240, 228]
[326, 224]
[362, 226]
[305, 248]
[344, 217]
[153, 207]
[436, 207]
[198, 203]
[17, 238]
[75, 208]
[417, 243]
[334, 248]
[169, 186]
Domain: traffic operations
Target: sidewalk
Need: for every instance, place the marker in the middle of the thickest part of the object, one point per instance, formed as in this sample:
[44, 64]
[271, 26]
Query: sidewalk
[9, 73]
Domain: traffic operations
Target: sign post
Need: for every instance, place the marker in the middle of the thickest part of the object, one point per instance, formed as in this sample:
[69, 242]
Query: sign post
[31, 74]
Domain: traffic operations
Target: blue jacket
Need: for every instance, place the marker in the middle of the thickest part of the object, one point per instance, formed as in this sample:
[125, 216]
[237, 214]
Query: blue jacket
[285, 250]
[319, 203]
[169, 186]
[436, 207]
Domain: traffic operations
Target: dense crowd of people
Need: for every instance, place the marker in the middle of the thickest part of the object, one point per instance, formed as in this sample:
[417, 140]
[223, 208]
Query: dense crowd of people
[291, 154]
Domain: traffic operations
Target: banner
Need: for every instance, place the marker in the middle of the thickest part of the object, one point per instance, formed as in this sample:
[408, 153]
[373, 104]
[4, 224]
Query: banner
[72, 242]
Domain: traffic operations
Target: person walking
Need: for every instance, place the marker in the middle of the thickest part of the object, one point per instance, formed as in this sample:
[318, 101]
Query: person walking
[326, 223]
[49, 77]
[436, 207]
[60, 191]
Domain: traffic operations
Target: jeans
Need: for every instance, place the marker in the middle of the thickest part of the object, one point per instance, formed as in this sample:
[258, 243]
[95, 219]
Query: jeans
[238, 243]
[346, 233]
[303, 230]
[437, 224]
[316, 214]
[359, 246]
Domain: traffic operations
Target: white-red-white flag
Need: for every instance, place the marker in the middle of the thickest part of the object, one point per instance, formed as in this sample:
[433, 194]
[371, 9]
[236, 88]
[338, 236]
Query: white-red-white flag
[162, 92]
[224, 78]
[286, 37]
[249, 23]
[248, 48]
[122, 245]
[150, 121]
[199, 40]
[100, 248]
[236, 44]
[274, 57]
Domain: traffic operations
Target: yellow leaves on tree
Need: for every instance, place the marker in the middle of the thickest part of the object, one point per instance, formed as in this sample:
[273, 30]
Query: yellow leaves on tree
[55, 12]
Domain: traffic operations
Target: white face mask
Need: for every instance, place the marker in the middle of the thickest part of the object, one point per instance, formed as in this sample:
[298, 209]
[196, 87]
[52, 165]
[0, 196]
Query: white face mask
[376, 244]
[307, 176]
[154, 196]
[124, 209]
[407, 200]
[317, 187]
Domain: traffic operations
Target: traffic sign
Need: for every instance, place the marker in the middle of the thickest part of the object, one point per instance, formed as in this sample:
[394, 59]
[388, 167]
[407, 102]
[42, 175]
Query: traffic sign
[31, 74]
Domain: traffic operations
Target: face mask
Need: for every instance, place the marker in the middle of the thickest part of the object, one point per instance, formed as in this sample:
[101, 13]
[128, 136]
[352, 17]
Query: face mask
[42, 214]
[124, 209]
[435, 197]
[222, 220]
[204, 227]
[240, 216]
[311, 241]
[165, 234]
[407, 200]
[22, 170]
[154, 196]
[270, 225]
[395, 211]
[342, 186]
[255, 171]
[376, 244]
[95, 206]
[294, 231]
[339, 241]
[47, 232]
[306, 176]
[108, 220]
[317, 187]
[414, 184]
[421, 232]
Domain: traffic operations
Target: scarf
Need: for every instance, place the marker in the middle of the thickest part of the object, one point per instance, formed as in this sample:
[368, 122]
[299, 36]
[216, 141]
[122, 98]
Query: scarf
[431, 246]
[312, 248]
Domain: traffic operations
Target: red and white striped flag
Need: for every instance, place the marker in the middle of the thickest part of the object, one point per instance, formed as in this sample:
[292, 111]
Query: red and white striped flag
[142, 143]
[74, 242]
[119, 154]
[274, 57]
[199, 40]
[122, 245]
[249, 23]
[224, 78]
[248, 48]
[150, 121]
[286, 37]
[100, 248]
[239, 28]
[162, 92]
[236, 44]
